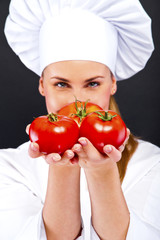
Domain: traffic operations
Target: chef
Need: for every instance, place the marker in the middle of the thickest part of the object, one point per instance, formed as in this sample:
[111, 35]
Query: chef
[80, 49]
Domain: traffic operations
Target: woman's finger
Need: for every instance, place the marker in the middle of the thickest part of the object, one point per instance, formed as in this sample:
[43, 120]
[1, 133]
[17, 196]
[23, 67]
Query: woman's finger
[127, 136]
[77, 148]
[52, 158]
[112, 153]
[88, 150]
[34, 150]
[122, 147]
[27, 128]
[55, 158]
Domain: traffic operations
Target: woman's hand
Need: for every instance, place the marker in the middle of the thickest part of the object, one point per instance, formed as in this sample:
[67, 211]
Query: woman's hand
[67, 159]
[90, 158]
[108, 205]
[82, 153]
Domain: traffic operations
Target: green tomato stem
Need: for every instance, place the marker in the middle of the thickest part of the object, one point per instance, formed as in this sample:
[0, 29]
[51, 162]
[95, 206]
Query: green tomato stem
[52, 117]
[80, 112]
[106, 117]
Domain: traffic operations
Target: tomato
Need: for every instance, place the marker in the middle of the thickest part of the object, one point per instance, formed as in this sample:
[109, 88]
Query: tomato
[54, 133]
[79, 110]
[103, 128]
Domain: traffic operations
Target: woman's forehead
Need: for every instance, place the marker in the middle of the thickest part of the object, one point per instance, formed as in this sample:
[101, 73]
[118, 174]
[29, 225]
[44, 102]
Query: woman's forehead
[77, 65]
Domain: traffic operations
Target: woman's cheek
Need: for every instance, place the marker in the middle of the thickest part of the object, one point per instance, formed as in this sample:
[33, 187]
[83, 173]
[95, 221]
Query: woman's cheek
[106, 99]
[54, 104]
[51, 105]
[103, 101]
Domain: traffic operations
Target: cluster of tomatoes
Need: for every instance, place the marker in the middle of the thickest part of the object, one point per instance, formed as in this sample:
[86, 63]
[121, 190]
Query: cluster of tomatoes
[55, 133]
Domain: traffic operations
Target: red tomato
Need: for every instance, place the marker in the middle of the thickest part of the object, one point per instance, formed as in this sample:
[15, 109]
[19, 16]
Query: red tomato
[54, 133]
[79, 110]
[103, 128]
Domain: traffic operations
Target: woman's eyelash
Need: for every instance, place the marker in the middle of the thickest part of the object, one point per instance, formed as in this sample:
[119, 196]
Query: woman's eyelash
[65, 85]
[93, 84]
[61, 84]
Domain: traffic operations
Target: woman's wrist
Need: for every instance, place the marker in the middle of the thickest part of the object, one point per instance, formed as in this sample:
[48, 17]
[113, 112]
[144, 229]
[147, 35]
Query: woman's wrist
[104, 169]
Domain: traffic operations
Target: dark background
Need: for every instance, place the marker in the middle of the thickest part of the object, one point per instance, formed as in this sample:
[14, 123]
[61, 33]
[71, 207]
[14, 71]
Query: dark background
[20, 101]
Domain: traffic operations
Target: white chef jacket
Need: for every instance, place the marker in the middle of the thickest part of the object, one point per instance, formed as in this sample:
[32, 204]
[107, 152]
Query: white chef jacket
[23, 183]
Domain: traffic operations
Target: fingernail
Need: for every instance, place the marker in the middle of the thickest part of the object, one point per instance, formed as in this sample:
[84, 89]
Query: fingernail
[108, 149]
[78, 148]
[56, 157]
[70, 154]
[121, 148]
[83, 142]
[33, 147]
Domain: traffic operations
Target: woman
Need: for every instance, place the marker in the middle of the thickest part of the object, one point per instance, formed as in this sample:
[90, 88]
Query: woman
[80, 50]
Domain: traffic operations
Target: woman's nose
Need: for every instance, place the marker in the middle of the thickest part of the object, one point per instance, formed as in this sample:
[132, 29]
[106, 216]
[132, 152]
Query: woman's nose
[79, 95]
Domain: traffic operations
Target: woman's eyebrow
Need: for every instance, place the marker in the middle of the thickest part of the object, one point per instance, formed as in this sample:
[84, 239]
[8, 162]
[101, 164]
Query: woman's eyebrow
[60, 78]
[86, 81]
[93, 78]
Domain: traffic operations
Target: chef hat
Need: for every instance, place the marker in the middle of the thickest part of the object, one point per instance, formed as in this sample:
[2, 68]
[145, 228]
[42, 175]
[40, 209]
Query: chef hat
[115, 33]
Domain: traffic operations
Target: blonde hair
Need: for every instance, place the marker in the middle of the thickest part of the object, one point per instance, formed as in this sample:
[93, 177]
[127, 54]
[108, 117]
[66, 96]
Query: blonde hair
[130, 147]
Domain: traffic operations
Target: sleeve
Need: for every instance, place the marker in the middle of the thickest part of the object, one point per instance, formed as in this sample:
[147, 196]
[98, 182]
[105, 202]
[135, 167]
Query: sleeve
[20, 213]
[94, 235]
[20, 205]
[143, 201]
[139, 229]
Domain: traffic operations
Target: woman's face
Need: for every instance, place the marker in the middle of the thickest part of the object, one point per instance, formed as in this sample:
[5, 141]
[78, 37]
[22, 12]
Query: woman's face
[63, 81]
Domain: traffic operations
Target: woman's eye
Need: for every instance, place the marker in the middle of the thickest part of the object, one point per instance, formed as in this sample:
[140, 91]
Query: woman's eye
[61, 84]
[93, 84]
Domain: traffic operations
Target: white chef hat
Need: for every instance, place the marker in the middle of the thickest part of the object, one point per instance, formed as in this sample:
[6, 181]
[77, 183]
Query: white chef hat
[116, 33]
